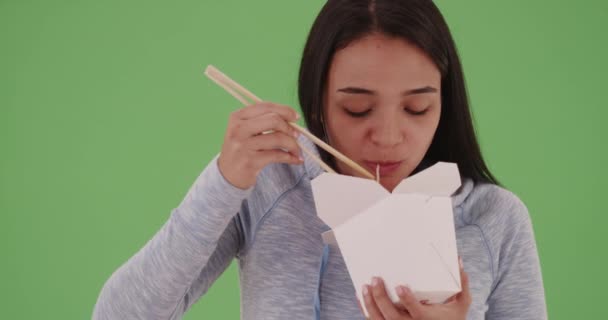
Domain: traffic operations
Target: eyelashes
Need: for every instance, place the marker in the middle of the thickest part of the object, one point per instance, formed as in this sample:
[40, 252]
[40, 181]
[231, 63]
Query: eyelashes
[366, 112]
[416, 113]
[357, 114]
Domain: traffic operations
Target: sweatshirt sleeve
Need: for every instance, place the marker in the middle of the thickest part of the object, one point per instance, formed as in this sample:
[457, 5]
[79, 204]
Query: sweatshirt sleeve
[518, 291]
[181, 261]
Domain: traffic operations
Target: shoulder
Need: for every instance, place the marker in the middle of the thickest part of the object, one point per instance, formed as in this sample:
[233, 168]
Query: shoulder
[504, 222]
[491, 205]
[275, 180]
[274, 184]
[499, 213]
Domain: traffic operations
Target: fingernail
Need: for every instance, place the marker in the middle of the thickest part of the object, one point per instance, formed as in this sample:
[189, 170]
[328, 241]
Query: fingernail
[301, 159]
[406, 289]
[400, 290]
[375, 281]
[297, 116]
[365, 290]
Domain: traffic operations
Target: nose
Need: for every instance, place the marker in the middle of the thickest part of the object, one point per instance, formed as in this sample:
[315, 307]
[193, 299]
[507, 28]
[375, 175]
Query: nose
[387, 132]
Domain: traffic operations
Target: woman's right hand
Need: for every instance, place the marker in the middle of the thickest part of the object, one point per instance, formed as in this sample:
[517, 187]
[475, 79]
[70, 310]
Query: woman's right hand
[246, 151]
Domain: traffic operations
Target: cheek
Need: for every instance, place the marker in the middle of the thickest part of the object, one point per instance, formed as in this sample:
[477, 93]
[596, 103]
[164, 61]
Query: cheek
[419, 133]
[427, 126]
[346, 134]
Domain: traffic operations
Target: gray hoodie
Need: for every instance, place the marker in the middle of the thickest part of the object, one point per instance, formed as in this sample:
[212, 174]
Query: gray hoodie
[286, 271]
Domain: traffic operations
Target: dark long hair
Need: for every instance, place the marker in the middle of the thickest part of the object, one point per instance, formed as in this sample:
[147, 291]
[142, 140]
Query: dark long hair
[340, 22]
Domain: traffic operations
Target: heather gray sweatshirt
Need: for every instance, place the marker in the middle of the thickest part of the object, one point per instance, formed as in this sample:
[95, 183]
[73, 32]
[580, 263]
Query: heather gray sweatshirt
[286, 271]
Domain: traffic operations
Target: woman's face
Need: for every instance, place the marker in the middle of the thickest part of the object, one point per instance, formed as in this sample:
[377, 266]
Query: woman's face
[382, 106]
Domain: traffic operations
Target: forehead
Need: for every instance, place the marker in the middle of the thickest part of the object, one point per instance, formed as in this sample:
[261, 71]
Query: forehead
[378, 59]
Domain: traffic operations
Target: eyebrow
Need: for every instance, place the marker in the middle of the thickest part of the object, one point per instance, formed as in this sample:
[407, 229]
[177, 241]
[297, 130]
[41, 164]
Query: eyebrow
[357, 90]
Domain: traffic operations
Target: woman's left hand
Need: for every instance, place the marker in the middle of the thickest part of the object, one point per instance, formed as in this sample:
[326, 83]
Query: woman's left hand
[380, 306]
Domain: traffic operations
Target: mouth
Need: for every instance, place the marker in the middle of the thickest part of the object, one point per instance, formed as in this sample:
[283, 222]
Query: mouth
[385, 167]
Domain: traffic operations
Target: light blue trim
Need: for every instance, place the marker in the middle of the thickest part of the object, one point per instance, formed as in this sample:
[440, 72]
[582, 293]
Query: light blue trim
[321, 271]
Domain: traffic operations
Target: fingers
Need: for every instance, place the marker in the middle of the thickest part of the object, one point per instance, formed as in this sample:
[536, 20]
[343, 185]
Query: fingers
[245, 152]
[382, 301]
[273, 141]
[408, 300]
[263, 158]
[379, 305]
[451, 299]
[465, 295]
[370, 305]
[261, 108]
[263, 123]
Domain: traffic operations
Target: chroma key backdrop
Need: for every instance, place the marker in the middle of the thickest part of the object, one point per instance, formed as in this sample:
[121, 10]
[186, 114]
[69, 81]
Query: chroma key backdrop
[106, 120]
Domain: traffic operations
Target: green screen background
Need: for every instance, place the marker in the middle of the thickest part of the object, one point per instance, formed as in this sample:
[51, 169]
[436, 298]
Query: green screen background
[106, 119]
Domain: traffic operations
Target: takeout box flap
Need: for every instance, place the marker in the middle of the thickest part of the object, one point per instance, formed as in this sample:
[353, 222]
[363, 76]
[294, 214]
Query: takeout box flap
[441, 179]
[340, 197]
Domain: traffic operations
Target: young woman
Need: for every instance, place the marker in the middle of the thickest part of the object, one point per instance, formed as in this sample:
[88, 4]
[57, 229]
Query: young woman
[381, 81]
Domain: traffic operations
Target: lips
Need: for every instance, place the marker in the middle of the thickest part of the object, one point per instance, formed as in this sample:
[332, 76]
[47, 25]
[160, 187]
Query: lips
[386, 167]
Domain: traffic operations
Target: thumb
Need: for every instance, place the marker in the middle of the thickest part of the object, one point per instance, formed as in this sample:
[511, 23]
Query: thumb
[464, 296]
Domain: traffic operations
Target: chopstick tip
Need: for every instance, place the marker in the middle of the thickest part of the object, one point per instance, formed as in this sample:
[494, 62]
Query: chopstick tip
[209, 70]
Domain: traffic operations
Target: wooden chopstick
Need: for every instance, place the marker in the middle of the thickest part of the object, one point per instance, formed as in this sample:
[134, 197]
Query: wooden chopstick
[318, 160]
[226, 87]
[212, 71]
[224, 81]
[230, 85]
[333, 151]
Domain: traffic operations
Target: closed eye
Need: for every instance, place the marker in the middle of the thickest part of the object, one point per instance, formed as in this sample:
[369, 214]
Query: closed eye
[416, 113]
[357, 114]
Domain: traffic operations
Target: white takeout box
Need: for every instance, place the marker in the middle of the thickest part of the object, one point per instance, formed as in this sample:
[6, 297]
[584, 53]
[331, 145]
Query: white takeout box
[406, 237]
